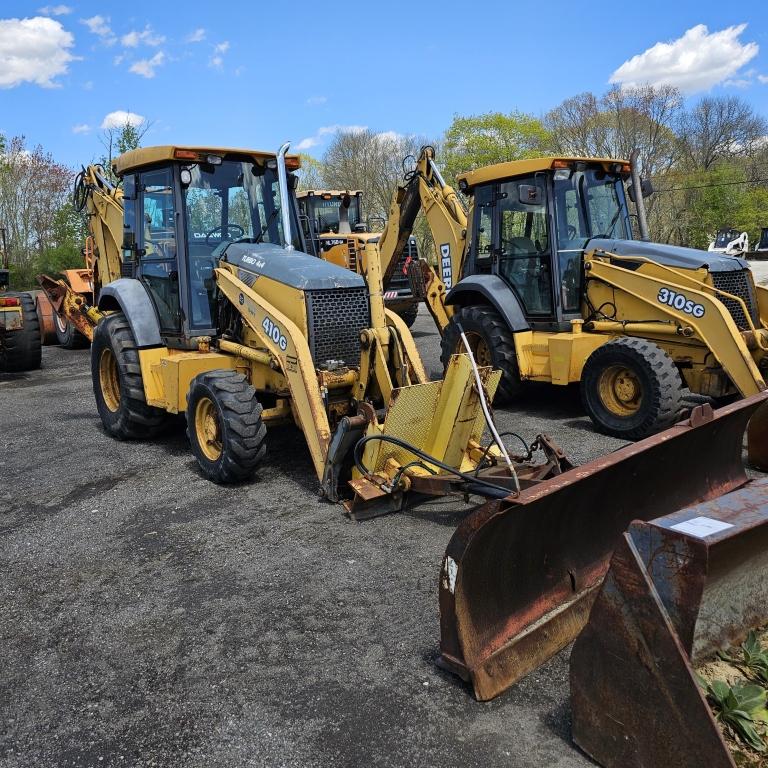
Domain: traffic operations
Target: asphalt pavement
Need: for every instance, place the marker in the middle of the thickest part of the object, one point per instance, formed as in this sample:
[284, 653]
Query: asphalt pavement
[151, 618]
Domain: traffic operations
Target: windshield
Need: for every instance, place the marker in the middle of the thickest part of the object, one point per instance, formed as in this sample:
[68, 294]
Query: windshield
[234, 201]
[326, 214]
[725, 236]
[589, 204]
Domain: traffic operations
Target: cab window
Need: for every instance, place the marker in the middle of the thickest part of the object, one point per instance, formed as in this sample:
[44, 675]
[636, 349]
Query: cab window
[524, 256]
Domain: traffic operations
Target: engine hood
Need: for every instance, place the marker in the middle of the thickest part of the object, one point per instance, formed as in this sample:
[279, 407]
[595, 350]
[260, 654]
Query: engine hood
[669, 255]
[293, 268]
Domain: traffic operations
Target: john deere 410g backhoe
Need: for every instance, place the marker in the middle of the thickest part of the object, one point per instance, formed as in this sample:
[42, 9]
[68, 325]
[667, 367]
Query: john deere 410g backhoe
[543, 276]
[222, 316]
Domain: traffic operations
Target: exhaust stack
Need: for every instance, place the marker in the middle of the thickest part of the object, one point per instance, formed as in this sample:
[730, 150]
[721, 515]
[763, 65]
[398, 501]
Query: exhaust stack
[285, 198]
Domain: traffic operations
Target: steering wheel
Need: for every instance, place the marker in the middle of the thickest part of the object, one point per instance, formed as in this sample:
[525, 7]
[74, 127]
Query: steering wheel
[224, 229]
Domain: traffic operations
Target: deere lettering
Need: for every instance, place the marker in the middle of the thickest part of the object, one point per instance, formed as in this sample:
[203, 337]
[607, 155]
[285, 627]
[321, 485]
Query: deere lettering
[445, 264]
[680, 302]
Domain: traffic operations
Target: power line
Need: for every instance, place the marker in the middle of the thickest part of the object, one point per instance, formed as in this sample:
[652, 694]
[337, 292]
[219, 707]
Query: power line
[718, 184]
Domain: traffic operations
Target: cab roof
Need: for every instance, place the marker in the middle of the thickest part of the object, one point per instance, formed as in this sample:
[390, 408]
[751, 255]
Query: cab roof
[138, 158]
[526, 167]
[331, 192]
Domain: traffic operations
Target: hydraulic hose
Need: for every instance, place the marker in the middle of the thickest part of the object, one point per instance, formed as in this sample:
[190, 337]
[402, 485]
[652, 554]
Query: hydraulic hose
[486, 412]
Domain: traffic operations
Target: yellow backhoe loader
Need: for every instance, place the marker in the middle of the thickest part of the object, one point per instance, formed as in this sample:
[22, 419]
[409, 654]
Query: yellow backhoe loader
[221, 315]
[19, 323]
[545, 280]
[74, 295]
[333, 225]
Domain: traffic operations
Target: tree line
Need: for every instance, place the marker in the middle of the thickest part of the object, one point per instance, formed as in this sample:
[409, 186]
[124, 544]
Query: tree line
[708, 161]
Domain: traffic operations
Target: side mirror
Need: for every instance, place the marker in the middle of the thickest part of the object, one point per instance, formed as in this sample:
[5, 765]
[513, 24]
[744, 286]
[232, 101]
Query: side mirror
[293, 181]
[530, 194]
[646, 189]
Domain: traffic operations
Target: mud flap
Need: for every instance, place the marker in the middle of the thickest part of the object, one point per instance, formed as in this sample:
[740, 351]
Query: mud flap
[519, 576]
[679, 589]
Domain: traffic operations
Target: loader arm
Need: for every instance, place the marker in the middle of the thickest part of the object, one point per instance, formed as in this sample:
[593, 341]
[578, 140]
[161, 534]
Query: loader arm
[708, 322]
[425, 190]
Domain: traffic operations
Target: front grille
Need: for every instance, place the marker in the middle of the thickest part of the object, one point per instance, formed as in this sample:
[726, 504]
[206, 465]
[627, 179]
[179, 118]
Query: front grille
[737, 283]
[335, 317]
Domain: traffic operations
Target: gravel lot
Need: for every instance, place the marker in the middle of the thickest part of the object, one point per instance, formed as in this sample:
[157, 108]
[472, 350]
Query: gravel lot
[150, 618]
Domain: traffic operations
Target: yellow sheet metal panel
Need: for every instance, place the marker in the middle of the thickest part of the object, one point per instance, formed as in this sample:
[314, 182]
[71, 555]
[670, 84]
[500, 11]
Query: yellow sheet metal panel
[513, 168]
[137, 158]
[177, 372]
[568, 352]
[149, 360]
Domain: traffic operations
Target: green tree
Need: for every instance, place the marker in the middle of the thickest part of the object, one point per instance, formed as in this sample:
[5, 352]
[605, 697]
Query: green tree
[495, 137]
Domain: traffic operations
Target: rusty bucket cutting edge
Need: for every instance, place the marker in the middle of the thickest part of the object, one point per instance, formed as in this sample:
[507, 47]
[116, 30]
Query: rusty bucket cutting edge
[519, 576]
[679, 588]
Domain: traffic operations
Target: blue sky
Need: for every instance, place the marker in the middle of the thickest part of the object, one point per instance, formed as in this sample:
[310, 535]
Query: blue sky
[254, 74]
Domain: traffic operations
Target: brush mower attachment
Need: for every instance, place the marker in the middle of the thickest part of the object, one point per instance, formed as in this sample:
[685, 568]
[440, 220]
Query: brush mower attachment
[679, 589]
[520, 575]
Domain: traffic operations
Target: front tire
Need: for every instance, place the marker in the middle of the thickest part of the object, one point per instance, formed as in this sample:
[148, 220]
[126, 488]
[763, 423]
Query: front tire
[22, 350]
[631, 389]
[224, 426]
[117, 383]
[491, 342]
[67, 335]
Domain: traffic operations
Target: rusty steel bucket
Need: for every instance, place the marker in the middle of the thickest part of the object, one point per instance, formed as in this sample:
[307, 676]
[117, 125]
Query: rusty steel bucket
[679, 588]
[520, 575]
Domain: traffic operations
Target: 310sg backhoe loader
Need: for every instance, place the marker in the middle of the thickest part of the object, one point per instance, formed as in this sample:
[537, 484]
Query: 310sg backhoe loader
[220, 315]
[333, 225]
[545, 279]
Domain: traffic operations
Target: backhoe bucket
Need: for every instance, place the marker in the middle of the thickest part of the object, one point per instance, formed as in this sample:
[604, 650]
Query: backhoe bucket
[679, 589]
[520, 575]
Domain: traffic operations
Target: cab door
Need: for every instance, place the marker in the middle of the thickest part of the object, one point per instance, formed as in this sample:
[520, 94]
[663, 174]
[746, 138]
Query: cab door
[158, 246]
[523, 245]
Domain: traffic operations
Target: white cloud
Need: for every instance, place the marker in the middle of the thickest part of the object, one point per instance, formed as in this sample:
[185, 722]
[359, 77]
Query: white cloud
[315, 101]
[217, 60]
[763, 79]
[147, 37]
[694, 62]
[99, 25]
[313, 141]
[120, 117]
[81, 128]
[197, 36]
[55, 10]
[146, 67]
[33, 50]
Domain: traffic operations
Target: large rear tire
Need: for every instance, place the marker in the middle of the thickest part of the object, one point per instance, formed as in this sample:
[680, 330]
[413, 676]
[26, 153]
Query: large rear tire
[631, 389]
[67, 335]
[224, 426]
[491, 342]
[117, 383]
[22, 350]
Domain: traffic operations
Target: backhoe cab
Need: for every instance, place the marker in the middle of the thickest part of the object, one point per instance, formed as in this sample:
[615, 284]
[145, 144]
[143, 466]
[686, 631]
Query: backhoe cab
[333, 226]
[222, 316]
[544, 278]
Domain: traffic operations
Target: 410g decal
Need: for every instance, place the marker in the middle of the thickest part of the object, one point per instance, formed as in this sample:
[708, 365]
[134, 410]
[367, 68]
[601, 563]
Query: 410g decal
[681, 302]
[273, 331]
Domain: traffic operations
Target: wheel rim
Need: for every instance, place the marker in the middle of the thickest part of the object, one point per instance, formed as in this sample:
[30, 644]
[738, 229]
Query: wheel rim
[620, 390]
[479, 346]
[60, 323]
[109, 380]
[208, 429]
